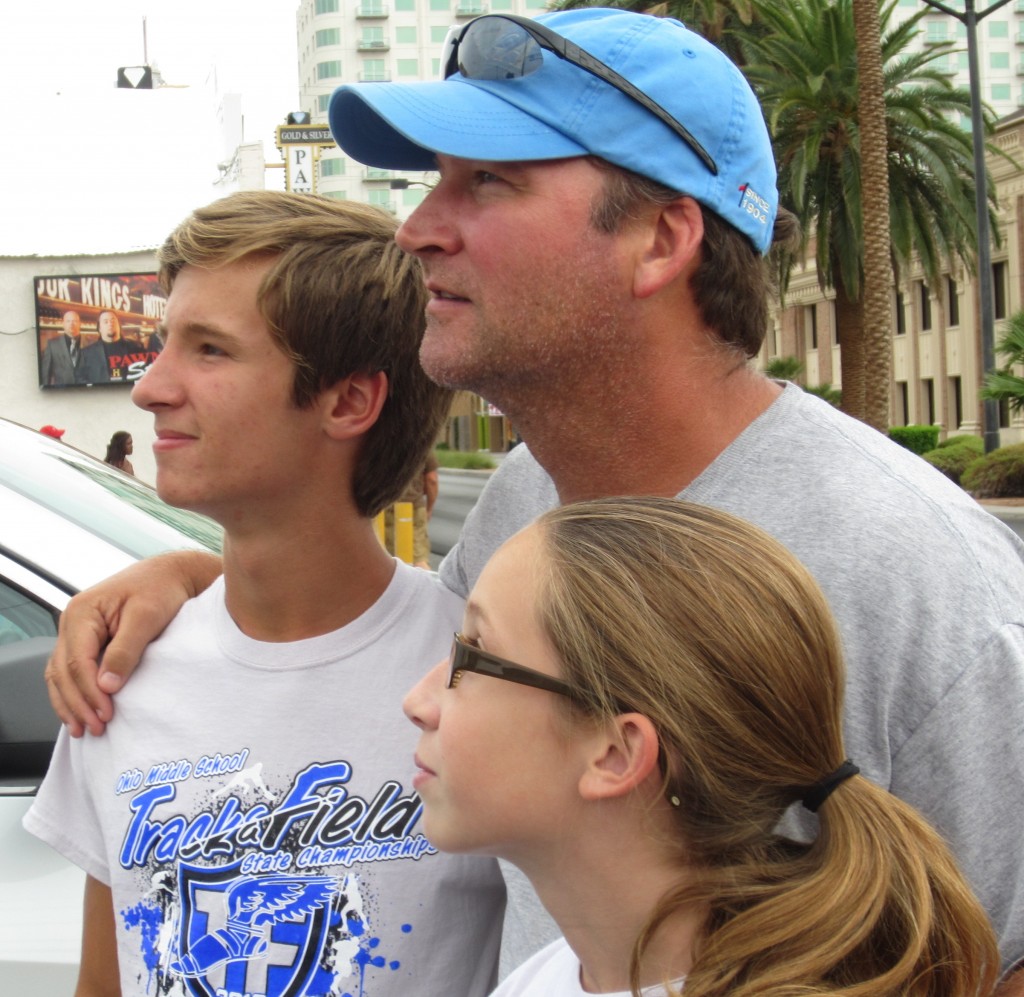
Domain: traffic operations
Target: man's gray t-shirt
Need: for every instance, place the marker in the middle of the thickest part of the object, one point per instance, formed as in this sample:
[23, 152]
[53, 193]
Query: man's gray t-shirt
[926, 587]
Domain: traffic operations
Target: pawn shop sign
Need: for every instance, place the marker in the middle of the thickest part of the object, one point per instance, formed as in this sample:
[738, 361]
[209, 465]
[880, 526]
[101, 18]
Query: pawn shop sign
[301, 145]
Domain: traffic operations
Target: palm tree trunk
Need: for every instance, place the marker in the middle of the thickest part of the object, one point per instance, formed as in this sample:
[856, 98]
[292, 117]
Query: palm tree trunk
[877, 341]
[850, 330]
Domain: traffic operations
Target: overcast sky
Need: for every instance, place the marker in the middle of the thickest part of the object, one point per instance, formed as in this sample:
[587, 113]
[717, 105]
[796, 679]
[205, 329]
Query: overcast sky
[85, 167]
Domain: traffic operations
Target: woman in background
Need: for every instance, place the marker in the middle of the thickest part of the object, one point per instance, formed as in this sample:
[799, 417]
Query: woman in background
[118, 449]
[673, 685]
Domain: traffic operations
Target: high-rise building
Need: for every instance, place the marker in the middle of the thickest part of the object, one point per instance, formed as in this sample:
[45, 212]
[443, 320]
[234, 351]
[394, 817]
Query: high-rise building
[344, 41]
[1000, 38]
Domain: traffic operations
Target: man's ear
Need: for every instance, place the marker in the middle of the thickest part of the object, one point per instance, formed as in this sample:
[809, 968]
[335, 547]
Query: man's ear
[672, 245]
[624, 756]
[352, 405]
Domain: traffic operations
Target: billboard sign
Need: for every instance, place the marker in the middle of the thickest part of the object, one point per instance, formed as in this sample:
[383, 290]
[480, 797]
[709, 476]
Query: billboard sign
[97, 328]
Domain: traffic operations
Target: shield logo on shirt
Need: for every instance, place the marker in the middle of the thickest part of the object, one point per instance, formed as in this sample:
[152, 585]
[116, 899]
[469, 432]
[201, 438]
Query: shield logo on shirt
[250, 933]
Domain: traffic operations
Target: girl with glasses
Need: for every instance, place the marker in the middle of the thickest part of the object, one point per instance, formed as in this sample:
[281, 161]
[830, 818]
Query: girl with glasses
[671, 687]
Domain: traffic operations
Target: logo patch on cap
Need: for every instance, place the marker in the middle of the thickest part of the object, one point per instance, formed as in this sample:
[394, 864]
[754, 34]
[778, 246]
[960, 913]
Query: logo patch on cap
[754, 204]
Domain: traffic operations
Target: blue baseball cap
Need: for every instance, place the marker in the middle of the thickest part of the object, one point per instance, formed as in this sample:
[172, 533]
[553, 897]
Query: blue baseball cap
[561, 111]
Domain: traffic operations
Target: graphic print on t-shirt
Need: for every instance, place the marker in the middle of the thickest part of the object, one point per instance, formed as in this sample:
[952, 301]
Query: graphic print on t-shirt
[247, 886]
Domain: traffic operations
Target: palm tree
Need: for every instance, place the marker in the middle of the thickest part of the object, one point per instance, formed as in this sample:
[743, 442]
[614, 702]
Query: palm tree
[1002, 384]
[723, 22]
[804, 67]
[869, 399]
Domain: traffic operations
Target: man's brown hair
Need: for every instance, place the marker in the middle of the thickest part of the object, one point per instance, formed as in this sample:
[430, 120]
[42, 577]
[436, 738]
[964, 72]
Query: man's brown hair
[339, 298]
[732, 284]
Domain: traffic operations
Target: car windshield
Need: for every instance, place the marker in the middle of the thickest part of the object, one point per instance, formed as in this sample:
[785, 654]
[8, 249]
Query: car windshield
[116, 507]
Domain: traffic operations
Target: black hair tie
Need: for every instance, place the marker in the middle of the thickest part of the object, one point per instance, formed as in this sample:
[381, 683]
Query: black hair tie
[817, 794]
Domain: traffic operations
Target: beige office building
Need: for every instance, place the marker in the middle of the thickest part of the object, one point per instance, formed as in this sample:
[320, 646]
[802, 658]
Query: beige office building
[936, 342]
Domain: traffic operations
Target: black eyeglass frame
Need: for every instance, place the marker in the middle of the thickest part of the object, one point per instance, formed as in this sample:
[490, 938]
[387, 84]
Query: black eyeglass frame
[551, 41]
[465, 657]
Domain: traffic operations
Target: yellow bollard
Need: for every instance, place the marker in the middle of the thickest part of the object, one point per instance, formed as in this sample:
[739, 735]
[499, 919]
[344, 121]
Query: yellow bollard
[394, 529]
[403, 531]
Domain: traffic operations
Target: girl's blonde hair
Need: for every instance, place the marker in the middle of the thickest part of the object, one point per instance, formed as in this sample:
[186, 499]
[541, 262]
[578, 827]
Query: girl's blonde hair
[711, 629]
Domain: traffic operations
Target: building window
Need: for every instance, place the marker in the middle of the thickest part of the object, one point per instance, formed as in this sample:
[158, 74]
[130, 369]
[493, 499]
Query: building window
[956, 395]
[444, 5]
[406, 36]
[999, 60]
[999, 29]
[438, 33]
[953, 301]
[902, 404]
[811, 327]
[928, 390]
[999, 290]
[935, 31]
[413, 196]
[501, 4]
[325, 7]
[1004, 413]
[408, 67]
[405, 5]
[373, 70]
[329, 36]
[333, 167]
[382, 199]
[338, 195]
[325, 70]
[901, 316]
[926, 305]
[1000, 91]
[323, 101]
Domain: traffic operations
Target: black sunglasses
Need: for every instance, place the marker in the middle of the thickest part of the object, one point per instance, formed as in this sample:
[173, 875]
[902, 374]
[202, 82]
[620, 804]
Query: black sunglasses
[507, 47]
[467, 658]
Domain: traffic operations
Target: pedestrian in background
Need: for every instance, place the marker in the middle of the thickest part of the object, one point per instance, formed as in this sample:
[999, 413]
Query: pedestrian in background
[118, 449]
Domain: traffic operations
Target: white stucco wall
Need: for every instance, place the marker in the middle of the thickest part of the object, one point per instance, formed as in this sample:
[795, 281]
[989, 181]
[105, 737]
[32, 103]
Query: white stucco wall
[91, 415]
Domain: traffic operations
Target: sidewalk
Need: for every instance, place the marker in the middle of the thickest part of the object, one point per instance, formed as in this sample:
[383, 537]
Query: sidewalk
[1004, 508]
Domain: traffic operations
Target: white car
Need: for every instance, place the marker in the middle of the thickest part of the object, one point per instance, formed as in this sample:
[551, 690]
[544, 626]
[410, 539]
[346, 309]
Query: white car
[67, 520]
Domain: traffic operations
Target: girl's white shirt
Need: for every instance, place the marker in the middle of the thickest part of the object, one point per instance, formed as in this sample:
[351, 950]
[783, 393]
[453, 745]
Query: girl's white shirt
[554, 971]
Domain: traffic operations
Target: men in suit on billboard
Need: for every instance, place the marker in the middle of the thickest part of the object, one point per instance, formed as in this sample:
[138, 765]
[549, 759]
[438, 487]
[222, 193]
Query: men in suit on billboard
[66, 361]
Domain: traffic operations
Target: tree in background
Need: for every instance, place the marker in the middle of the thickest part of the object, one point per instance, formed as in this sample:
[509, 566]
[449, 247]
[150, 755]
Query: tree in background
[724, 22]
[1003, 384]
[805, 70]
[867, 397]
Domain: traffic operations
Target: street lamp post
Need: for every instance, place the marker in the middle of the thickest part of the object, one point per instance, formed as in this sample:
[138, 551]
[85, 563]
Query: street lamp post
[969, 17]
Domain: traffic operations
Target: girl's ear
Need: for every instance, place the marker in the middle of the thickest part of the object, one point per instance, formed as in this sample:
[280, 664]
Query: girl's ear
[353, 404]
[624, 756]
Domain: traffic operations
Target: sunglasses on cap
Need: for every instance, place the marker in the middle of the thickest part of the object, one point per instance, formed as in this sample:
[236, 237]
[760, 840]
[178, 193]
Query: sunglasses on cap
[508, 47]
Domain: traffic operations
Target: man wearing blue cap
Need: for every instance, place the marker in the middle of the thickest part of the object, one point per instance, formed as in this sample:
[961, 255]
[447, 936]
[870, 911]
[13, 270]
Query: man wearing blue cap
[594, 255]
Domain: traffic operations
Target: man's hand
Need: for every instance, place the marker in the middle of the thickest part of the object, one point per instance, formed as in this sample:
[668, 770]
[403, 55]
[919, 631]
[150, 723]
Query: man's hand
[129, 610]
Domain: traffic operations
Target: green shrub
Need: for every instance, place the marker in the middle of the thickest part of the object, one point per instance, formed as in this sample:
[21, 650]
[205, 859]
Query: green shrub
[952, 461]
[917, 439]
[832, 395]
[969, 439]
[999, 474]
[465, 460]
